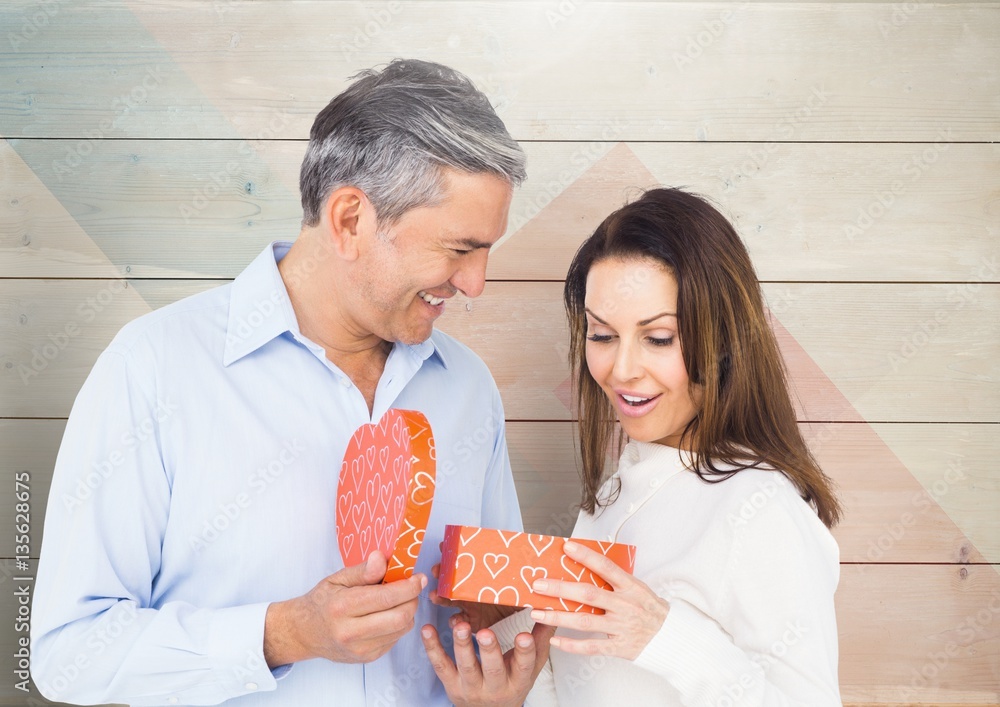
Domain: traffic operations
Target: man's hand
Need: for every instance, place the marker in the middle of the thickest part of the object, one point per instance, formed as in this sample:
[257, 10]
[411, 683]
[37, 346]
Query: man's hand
[349, 617]
[500, 680]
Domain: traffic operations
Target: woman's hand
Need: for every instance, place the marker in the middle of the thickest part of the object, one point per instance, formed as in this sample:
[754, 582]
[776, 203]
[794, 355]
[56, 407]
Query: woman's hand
[478, 616]
[633, 613]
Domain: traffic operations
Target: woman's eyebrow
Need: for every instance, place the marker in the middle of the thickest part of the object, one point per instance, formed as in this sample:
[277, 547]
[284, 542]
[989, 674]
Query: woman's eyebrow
[644, 322]
[601, 321]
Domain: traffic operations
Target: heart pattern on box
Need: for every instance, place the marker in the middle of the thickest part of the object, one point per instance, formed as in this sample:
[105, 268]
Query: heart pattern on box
[386, 491]
[500, 566]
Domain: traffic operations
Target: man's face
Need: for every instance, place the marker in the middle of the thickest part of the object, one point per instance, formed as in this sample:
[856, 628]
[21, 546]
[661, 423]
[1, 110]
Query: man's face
[405, 274]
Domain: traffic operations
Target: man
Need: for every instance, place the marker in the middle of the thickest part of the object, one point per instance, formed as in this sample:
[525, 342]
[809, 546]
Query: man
[190, 554]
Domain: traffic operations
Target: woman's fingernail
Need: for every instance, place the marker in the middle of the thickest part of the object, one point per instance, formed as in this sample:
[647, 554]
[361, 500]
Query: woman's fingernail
[425, 632]
[540, 585]
[537, 615]
[486, 640]
[462, 633]
[570, 546]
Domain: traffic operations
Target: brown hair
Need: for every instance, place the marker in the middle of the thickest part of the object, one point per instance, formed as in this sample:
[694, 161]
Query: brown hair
[746, 419]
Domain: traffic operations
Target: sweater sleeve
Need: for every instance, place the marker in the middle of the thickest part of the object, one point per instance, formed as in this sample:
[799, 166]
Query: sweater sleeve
[543, 693]
[773, 640]
[507, 628]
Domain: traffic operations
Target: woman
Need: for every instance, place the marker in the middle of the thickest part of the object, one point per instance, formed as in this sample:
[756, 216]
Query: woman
[732, 598]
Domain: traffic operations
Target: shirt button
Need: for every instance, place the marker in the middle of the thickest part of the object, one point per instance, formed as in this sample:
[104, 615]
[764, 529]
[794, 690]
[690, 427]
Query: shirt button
[611, 538]
[251, 686]
[631, 508]
[346, 382]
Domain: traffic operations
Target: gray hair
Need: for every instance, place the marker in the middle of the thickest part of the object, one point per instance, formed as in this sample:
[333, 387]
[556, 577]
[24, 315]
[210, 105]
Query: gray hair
[391, 132]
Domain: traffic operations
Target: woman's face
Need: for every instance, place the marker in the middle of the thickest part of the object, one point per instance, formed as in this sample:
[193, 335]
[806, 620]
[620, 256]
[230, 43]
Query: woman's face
[634, 350]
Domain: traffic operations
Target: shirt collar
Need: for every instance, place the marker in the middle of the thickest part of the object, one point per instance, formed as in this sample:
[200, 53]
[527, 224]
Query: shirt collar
[643, 462]
[431, 347]
[260, 310]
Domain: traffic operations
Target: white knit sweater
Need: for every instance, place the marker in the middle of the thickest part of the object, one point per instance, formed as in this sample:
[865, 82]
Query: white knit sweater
[749, 572]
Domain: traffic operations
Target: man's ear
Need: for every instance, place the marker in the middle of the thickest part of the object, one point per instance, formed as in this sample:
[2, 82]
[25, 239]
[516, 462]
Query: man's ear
[348, 219]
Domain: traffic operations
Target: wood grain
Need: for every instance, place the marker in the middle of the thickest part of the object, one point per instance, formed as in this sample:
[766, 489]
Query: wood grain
[854, 145]
[939, 508]
[877, 352]
[808, 212]
[876, 607]
[660, 71]
[919, 633]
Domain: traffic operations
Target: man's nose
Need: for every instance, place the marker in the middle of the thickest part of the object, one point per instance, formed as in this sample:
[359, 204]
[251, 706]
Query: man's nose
[470, 278]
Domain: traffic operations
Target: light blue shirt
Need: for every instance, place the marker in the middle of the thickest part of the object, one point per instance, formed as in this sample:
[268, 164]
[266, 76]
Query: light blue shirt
[197, 483]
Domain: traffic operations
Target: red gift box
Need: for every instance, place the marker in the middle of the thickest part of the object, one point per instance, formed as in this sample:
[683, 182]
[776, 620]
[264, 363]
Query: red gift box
[386, 491]
[492, 566]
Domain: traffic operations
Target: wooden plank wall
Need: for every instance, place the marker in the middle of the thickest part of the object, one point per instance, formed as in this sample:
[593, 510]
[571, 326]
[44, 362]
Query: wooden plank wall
[151, 150]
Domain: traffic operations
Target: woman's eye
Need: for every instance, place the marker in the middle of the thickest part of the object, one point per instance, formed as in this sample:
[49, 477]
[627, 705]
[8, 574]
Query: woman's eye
[660, 342]
[599, 338]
